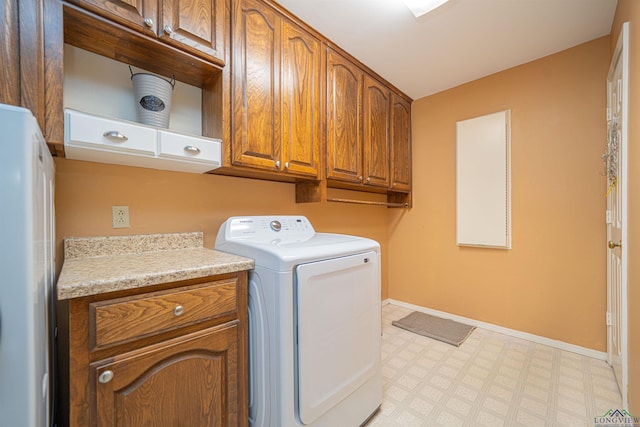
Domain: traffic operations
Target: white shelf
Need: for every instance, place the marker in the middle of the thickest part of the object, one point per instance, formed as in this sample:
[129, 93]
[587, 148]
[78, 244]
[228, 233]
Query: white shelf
[106, 140]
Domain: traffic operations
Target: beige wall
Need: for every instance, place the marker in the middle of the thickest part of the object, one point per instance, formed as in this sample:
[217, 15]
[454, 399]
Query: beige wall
[553, 282]
[166, 202]
[629, 10]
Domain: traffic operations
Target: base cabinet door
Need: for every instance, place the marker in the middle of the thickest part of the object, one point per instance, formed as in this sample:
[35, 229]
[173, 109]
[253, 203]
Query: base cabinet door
[188, 381]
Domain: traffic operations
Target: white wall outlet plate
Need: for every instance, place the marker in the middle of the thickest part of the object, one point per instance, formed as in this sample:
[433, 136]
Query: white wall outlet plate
[120, 216]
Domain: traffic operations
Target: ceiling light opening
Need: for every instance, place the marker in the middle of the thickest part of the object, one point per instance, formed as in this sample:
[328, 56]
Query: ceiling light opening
[420, 7]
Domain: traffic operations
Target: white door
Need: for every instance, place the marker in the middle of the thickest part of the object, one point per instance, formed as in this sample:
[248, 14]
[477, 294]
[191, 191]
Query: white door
[338, 330]
[616, 167]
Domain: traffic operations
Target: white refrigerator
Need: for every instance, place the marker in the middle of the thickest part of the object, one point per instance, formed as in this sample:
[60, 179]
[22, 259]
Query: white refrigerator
[27, 271]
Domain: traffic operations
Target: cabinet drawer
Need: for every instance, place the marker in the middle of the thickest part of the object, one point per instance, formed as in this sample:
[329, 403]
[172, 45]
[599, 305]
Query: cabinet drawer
[188, 148]
[110, 135]
[124, 319]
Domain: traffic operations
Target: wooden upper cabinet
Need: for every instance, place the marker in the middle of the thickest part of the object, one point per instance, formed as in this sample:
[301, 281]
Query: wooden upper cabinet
[141, 15]
[358, 125]
[255, 85]
[344, 119]
[276, 86]
[400, 144]
[377, 122]
[301, 100]
[196, 26]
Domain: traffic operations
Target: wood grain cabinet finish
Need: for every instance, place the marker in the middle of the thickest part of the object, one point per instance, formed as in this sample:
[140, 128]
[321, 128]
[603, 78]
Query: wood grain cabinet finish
[377, 122]
[276, 85]
[344, 119]
[358, 125]
[400, 144]
[170, 355]
[301, 100]
[123, 319]
[196, 26]
[22, 56]
[183, 382]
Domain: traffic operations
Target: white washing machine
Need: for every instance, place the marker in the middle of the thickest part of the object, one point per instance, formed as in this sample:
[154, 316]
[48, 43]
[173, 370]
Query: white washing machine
[314, 322]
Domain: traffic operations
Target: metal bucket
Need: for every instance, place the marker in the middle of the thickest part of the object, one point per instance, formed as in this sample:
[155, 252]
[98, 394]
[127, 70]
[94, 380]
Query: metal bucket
[153, 98]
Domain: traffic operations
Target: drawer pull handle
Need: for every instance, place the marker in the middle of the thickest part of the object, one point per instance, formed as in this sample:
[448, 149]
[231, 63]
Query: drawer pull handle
[192, 149]
[115, 136]
[178, 311]
[105, 377]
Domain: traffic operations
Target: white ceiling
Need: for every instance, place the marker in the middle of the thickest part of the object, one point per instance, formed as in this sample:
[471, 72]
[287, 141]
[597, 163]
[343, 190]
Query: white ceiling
[461, 41]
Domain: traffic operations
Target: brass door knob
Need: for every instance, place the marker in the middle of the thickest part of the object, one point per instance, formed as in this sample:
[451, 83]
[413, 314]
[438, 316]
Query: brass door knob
[613, 245]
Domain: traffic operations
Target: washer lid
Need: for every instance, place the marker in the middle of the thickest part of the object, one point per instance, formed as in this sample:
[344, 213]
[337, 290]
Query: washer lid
[282, 248]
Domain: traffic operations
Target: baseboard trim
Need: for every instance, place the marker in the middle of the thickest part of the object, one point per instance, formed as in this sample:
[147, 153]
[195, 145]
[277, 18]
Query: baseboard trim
[600, 355]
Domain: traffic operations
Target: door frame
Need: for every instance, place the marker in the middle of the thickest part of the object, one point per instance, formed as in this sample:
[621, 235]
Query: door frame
[621, 54]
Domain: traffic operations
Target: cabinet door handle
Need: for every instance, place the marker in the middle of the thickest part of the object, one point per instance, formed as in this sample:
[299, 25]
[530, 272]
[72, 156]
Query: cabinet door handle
[148, 22]
[178, 311]
[168, 30]
[278, 164]
[368, 179]
[115, 136]
[286, 165]
[105, 377]
[360, 178]
[192, 149]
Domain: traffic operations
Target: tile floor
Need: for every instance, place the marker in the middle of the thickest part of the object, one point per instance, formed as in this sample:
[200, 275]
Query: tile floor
[490, 380]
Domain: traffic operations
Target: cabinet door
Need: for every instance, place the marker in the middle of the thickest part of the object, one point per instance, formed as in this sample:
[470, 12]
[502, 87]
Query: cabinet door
[255, 85]
[197, 26]
[344, 117]
[377, 120]
[400, 144]
[141, 15]
[188, 381]
[301, 103]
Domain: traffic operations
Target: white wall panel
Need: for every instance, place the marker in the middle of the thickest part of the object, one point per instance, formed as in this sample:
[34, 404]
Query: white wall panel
[483, 181]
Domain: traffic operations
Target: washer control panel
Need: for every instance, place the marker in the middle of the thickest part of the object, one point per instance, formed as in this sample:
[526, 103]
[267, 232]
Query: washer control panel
[275, 229]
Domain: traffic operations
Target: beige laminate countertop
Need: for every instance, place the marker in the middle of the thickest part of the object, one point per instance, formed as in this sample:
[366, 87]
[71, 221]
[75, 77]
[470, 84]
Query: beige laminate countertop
[105, 264]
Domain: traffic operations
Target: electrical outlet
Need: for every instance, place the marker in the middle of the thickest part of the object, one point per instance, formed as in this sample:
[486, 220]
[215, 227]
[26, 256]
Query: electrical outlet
[120, 216]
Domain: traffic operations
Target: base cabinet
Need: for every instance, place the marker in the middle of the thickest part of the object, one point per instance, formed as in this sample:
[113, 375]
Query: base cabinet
[182, 382]
[169, 355]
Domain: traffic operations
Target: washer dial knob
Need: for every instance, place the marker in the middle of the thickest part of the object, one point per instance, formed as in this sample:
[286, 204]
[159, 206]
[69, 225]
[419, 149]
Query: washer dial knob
[275, 225]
